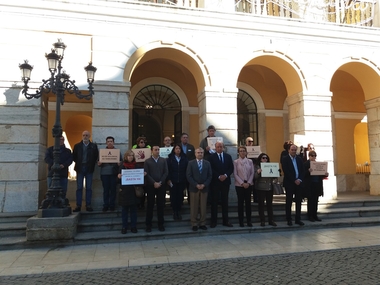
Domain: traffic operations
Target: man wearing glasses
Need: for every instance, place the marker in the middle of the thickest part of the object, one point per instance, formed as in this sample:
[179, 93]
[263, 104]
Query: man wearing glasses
[108, 175]
[85, 156]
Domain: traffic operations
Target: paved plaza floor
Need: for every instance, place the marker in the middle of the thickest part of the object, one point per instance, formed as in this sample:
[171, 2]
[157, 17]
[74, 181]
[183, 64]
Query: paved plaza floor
[318, 256]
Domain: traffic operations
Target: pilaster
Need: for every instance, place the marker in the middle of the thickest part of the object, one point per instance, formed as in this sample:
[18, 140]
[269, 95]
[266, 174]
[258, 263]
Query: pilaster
[310, 116]
[23, 134]
[110, 117]
[373, 120]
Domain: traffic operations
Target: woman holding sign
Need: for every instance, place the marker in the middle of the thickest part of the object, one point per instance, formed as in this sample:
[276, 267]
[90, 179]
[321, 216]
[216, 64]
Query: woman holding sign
[263, 186]
[127, 196]
[313, 187]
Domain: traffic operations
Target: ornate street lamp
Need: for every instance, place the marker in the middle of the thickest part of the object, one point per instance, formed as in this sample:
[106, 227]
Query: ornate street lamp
[59, 83]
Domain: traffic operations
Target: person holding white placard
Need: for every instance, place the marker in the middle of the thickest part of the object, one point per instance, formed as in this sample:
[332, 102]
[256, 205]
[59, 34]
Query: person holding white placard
[204, 143]
[127, 195]
[264, 190]
[313, 188]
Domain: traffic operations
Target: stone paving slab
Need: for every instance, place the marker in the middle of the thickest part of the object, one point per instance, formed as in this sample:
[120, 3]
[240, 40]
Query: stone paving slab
[169, 252]
[352, 266]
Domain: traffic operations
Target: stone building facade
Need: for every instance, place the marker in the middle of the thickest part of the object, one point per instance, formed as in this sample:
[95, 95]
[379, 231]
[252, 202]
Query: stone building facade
[312, 79]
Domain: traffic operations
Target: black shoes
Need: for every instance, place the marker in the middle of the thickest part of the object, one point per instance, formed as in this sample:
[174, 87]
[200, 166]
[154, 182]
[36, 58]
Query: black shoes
[249, 224]
[272, 223]
[299, 223]
[112, 209]
[228, 224]
[213, 225]
[194, 228]
[161, 228]
[241, 225]
[203, 227]
[262, 224]
[134, 230]
[89, 209]
[148, 229]
[105, 209]
[290, 223]
[77, 209]
[311, 219]
[123, 231]
[317, 219]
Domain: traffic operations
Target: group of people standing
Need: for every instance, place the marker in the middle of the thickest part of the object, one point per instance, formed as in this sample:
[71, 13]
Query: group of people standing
[206, 174]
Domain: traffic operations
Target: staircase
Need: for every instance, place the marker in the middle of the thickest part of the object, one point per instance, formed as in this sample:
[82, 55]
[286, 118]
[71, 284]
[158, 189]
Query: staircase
[352, 209]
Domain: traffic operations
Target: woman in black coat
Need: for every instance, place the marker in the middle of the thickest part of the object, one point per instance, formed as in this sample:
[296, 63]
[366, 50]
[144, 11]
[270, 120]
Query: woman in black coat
[313, 188]
[127, 195]
[177, 165]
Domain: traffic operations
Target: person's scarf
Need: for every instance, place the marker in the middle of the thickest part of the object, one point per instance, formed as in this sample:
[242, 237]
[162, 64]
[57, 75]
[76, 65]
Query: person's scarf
[129, 165]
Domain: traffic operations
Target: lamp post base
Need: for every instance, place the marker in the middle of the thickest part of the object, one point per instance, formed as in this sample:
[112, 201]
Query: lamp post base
[54, 212]
[52, 229]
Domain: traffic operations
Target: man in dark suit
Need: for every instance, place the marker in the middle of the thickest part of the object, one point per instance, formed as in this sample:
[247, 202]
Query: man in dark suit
[222, 167]
[187, 148]
[292, 165]
[199, 176]
[85, 156]
[156, 170]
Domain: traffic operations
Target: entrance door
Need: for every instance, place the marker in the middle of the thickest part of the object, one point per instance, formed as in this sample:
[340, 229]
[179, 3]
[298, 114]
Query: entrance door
[155, 108]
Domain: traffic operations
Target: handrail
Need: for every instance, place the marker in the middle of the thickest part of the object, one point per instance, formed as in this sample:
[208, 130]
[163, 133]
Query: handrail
[353, 12]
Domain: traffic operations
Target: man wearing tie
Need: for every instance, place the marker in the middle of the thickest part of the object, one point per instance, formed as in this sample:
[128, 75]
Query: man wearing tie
[292, 165]
[156, 170]
[222, 167]
[199, 176]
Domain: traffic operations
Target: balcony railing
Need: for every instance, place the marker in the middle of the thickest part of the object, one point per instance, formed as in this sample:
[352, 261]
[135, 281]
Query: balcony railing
[353, 12]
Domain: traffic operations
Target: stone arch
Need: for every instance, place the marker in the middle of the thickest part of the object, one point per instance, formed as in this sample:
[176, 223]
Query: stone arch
[365, 71]
[187, 58]
[281, 64]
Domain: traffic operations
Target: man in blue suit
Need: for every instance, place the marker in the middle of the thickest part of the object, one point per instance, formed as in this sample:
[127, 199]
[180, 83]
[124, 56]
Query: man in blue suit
[222, 167]
[292, 165]
[199, 176]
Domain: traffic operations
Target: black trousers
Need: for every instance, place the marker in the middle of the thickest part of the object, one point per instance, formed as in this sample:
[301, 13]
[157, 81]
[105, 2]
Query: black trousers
[312, 200]
[219, 190]
[293, 192]
[155, 195]
[265, 197]
[244, 197]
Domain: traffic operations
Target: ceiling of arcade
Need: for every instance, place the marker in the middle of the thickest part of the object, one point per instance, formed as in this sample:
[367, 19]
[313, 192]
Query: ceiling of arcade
[174, 65]
[348, 95]
[267, 83]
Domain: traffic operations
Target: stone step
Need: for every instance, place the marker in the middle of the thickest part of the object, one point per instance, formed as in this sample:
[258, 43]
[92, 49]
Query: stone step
[12, 228]
[108, 222]
[15, 217]
[175, 232]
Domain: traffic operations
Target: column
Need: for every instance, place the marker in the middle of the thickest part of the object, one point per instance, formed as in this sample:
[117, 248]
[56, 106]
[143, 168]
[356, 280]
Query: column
[218, 107]
[23, 134]
[373, 121]
[310, 116]
[110, 117]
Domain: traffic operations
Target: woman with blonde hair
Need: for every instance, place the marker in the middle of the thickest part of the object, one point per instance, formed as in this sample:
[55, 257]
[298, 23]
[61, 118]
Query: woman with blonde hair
[127, 195]
[243, 173]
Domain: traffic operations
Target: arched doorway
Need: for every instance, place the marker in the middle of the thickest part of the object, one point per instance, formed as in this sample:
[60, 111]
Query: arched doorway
[156, 114]
[247, 118]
